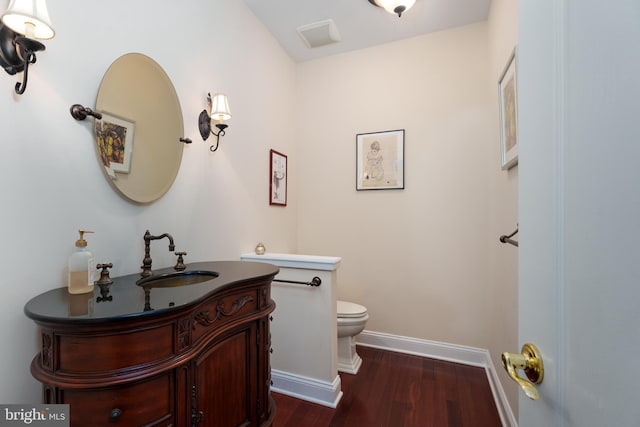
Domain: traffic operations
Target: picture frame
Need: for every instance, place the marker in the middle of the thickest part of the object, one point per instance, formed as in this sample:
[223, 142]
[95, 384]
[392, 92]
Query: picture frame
[380, 160]
[114, 137]
[508, 101]
[278, 176]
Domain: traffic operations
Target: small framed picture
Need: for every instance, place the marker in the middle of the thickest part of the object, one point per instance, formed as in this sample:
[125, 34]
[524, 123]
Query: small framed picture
[508, 99]
[380, 160]
[278, 178]
[114, 136]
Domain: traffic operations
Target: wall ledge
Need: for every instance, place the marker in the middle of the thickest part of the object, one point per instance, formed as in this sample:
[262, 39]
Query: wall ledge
[450, 352]
[311, 262]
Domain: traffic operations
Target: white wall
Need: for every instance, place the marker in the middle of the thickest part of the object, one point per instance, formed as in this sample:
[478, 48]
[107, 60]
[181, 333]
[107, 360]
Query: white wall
[416, 258]
[53, 185]
[426, 260]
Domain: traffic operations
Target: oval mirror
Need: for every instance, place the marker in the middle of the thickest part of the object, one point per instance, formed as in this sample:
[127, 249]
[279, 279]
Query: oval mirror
[138, 138]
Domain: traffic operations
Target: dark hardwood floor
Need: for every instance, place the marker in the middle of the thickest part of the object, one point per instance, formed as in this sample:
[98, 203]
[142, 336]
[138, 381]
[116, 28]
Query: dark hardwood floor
[399, 390]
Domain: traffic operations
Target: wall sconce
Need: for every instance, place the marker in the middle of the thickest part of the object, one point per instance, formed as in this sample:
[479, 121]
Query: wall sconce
[397, 7]
[23, 21]
[219, 107]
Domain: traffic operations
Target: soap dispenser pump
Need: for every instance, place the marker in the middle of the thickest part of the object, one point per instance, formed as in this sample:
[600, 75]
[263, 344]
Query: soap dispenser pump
[81, 267]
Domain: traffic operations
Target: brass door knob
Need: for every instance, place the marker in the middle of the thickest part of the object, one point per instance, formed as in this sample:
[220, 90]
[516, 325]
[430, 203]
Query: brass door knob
[530, 361]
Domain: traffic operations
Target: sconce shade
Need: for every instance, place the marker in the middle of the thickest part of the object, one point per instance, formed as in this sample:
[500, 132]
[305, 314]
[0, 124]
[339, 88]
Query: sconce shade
[220, 107]
[30, 18]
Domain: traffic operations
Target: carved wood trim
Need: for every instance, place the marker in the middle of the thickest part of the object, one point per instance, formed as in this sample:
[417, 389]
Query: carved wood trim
[184, 334]
[46, 353]
[202, 318]
[235, 306]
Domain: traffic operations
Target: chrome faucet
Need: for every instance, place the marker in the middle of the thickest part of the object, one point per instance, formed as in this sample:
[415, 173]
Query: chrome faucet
[146, 262]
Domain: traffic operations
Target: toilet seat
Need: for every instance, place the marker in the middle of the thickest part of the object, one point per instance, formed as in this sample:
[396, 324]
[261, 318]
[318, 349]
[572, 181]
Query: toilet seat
[348, 309]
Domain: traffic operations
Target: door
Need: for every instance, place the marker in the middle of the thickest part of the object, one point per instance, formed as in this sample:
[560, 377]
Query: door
[225, 381]
[579, 207]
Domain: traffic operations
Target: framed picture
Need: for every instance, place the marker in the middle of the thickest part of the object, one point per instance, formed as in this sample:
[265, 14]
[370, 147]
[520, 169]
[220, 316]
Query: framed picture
[508, 98]
[380, 160]
[114, 136]
[278, 178]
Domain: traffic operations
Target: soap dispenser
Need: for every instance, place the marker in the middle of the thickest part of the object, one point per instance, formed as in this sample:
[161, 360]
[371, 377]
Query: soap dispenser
[81, 267]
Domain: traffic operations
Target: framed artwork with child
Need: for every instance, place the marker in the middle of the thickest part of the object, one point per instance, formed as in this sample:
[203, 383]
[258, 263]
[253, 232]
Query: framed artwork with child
[380, 160]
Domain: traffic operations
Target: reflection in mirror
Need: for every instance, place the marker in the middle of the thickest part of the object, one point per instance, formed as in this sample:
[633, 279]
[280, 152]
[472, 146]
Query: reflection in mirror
[138, 140]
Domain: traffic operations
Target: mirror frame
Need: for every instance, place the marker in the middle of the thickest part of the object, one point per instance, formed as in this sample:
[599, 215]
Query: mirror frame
[137, 94]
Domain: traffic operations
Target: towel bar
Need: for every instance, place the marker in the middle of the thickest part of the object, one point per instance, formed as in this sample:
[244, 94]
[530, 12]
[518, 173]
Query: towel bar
[314, 282]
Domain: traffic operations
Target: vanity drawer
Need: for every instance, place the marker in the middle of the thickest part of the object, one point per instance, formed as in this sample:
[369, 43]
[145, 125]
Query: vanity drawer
[147, 403]
[109, 352]
[222, 311]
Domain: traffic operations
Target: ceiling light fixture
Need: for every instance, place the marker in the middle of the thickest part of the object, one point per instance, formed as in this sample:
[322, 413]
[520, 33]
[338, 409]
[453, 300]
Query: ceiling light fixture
[397, 7]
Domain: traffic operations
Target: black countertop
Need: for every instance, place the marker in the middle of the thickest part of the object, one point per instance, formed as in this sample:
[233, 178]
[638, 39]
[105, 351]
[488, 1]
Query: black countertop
[130, 300]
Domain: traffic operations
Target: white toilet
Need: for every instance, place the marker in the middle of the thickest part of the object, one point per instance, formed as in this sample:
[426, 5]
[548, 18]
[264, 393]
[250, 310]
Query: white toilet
[351, 321]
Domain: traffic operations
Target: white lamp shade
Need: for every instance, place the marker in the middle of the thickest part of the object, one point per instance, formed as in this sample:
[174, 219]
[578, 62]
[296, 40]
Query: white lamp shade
[220, 107]
[391, 5]
[29, 17]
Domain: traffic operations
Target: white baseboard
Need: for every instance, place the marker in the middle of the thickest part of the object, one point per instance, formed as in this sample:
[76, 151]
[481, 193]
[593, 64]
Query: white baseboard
[309, 389]
[450, 352]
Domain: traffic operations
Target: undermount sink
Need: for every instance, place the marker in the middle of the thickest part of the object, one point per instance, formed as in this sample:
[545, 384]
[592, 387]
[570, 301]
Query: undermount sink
[179, 278]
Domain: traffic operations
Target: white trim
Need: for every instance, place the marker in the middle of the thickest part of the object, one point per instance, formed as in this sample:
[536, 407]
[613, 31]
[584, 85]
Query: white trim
[450, 352]
[309, 389]
[309, 262]
[432, 349]
[504, 409]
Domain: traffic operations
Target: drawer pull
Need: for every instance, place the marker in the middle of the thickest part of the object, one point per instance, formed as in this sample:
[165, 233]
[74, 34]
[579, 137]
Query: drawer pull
[115, 414]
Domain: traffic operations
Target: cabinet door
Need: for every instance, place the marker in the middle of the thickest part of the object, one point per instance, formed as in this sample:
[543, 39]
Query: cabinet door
[225, 381]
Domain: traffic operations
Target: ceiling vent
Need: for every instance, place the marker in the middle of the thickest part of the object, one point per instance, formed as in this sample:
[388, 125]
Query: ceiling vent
[319, 33]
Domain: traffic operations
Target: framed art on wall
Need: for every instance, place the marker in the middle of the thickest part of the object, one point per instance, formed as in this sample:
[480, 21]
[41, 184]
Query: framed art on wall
[278, 178]
[380, 160]
[114, 136]
[508, 99]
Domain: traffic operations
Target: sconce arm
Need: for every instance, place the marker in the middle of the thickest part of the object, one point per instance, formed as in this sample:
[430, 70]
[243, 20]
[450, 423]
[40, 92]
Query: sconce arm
[221, 127]
[21, 87]
[28, 49]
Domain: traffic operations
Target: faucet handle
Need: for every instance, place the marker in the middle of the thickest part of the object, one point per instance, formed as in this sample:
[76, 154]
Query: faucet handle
[104, 283]
[104, 274]
[180, 264]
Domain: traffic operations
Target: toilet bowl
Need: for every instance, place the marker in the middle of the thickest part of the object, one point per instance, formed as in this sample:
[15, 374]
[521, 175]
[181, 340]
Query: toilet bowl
[352, 319]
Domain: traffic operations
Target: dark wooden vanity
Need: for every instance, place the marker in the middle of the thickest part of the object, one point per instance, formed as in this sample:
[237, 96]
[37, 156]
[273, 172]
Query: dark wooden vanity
[192, 355]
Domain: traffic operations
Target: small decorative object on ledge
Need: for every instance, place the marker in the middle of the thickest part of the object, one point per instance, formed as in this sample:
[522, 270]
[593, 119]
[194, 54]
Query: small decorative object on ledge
[260, 249]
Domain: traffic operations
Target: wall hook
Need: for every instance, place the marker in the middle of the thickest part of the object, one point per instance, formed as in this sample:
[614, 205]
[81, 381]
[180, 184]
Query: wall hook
[508, 239]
